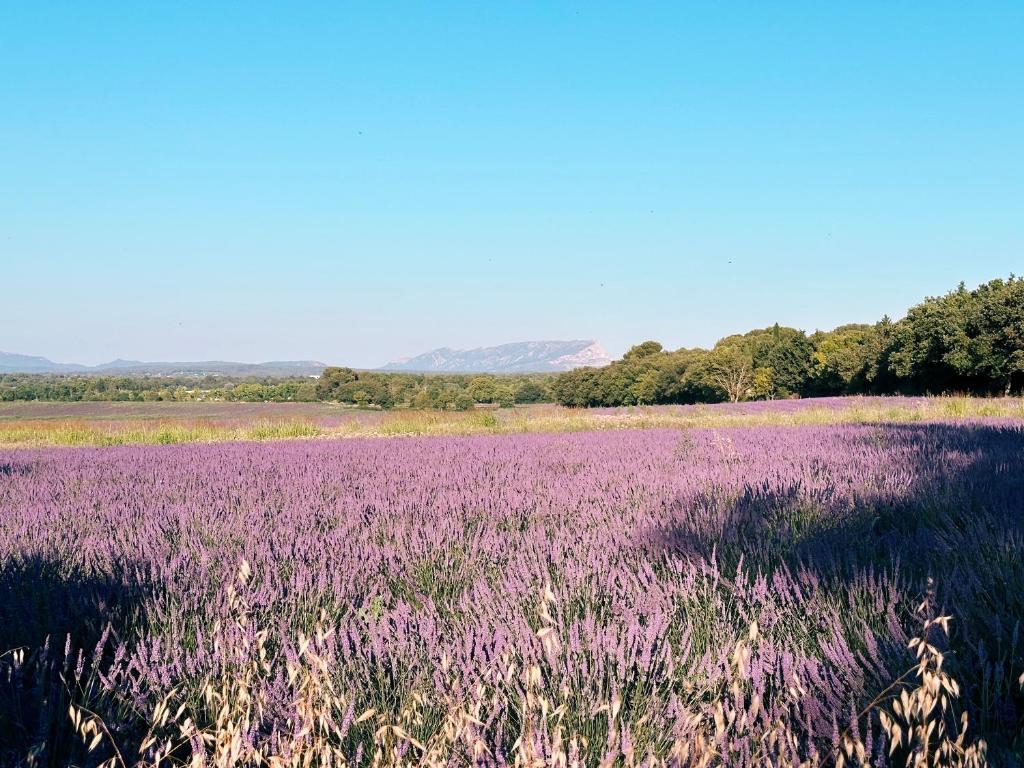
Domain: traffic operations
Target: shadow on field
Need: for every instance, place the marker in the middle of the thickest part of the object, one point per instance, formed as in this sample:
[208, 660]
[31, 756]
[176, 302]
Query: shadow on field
[955, 512]
[964, 491]
[9, 469]
[58, 619]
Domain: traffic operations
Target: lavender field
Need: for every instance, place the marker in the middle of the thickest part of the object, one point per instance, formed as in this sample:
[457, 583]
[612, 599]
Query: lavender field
[621, 567]
[38, 424]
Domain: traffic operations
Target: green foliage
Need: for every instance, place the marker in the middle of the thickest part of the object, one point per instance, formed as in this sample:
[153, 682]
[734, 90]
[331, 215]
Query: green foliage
[531, 391]
[787, 353]
[344, 385]
[969, 341]
[729, 368]
[643, 350]
[762, 386]
[457, 392]
[842, 359]
[483, 389]
[462, 401]
[965, 341]
[505, 397]
[652, 376]
[367, 389]
[79, 387]
[578, 388]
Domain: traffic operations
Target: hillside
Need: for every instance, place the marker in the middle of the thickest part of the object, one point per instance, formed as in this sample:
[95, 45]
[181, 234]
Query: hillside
[15, 363]
[518, 357]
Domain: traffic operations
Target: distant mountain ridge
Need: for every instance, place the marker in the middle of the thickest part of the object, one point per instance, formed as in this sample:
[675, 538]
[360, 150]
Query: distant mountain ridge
[517, 357]
[15, 363]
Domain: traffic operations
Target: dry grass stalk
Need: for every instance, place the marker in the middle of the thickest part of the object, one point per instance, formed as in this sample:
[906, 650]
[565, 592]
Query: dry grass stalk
[918, 719]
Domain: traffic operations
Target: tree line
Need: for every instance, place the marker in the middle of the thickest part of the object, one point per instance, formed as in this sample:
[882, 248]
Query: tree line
[369, 389]
[966, 341]
[452, 391]
[122, 388]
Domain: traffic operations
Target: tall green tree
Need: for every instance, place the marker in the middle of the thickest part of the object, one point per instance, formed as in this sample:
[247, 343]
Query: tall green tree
[642, 350]
[842, 358]
[993, 347]
[729, 368]
[787, 352]
[483, 389]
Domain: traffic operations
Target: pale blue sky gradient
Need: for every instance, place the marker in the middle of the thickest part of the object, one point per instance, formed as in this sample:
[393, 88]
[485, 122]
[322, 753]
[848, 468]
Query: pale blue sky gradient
[355, 182]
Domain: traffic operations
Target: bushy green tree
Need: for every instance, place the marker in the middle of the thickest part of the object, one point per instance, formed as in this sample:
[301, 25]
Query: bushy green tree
[531, 392]
[991, 346]
[729, 368]
[483, 389]
[462, 401]
[343, 385]
[787, 352]
[646, 375]
[332, 380]
[842, 359]
[504, 396]
[579, 388]
[763, 387]
[644, 349]
[969, 341]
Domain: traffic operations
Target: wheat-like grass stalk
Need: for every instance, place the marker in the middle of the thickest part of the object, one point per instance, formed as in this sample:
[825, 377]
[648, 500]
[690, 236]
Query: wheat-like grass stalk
[916, 713]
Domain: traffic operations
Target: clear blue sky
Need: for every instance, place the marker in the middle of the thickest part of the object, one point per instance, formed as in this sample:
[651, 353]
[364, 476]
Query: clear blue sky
[354, 182]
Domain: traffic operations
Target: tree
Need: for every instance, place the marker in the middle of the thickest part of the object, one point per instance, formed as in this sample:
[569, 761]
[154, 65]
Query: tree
[788, 353]
[644, 390]
[928, 351]
[643, 349]
[970, 341]
[331, 381]
[504, 396]
[729, 367]
[994, 348]
[966, 340]
[842, 359]
[462, 402]
[306, 392]
[579, 388]
[343, 385]
[615, 382]
[762, 387]
[530, 392]
[483, 389]
[681, 380]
